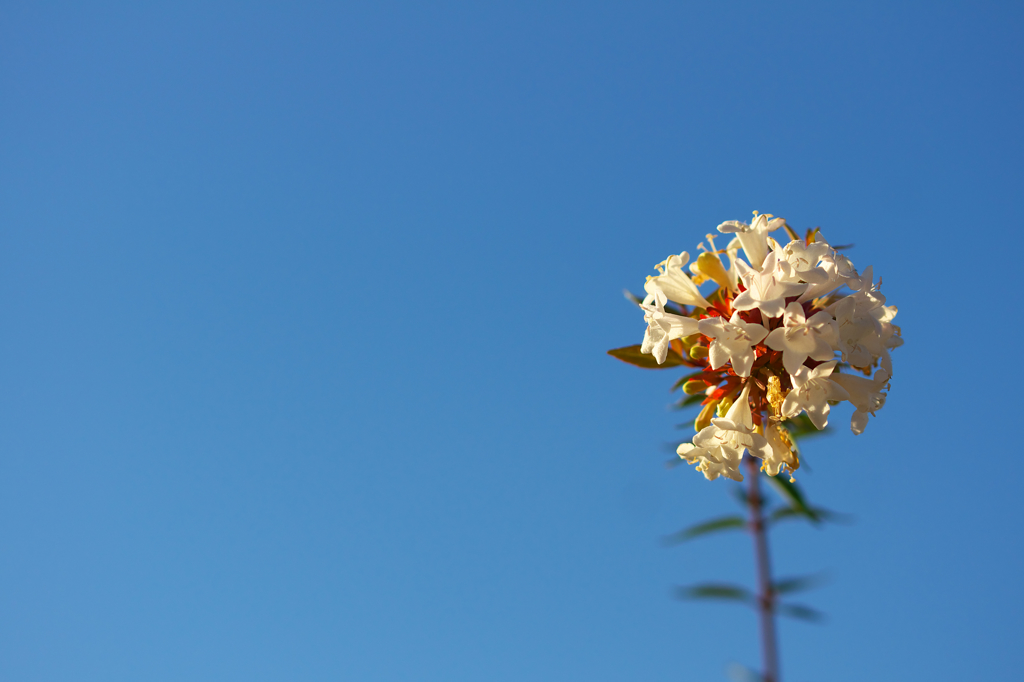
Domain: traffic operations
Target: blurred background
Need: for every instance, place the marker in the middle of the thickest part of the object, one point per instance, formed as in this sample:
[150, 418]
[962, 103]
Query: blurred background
[305, 310]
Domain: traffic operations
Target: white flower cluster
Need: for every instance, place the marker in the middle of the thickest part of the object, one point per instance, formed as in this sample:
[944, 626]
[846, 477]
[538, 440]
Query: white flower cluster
[769, 340]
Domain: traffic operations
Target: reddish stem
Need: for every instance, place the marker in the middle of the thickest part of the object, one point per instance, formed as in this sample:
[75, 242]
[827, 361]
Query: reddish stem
[765, 593]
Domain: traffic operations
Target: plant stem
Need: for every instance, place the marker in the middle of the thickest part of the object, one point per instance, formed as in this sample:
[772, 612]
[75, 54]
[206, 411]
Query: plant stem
[766, 595]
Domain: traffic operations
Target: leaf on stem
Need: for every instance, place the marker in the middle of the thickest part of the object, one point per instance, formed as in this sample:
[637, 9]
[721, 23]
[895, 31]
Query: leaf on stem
[791, 493]
[715, 591]
[689, 400]
[797, 583]
[820, 514]
[633, 356]
[801, 612]
[712, 526]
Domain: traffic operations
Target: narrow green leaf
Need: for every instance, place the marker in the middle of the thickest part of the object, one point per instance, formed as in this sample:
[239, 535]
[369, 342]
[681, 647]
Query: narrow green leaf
[633, 356]
[689, 400]
[797, 583]
[715, 591]
[791, 493]
[801, 612]
[712, 526]
[820, 514]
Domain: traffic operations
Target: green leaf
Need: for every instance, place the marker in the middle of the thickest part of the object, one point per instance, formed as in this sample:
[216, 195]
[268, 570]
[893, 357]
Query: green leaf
[689, 400]
[820, 514]
[712, 526]
[715, 591]
[633, 356]
[791, 493]
[797, 583]
[801, 612]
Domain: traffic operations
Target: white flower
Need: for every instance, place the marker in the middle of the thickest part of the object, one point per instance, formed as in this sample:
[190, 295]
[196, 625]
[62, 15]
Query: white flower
[801, 338]
[839, 270]
[812, 389]
[754, 237]
[765, 289]
[802, 260]
[718, 448]
[865, 291]
[674, 283]
[733, 342]
[863, 336]
[865, 394]
[890, 334]
[662, 327]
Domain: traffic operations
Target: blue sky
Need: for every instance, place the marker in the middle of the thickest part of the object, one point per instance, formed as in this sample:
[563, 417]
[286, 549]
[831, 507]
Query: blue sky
[305, 311]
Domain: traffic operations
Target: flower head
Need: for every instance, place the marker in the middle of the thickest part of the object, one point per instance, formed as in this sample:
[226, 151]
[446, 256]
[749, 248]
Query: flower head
[768, 342]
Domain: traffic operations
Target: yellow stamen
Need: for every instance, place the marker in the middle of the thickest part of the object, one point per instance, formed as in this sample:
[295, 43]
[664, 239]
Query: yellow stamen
[776, 395]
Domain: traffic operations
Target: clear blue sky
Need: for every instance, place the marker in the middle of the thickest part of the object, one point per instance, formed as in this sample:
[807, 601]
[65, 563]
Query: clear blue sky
[304, 317]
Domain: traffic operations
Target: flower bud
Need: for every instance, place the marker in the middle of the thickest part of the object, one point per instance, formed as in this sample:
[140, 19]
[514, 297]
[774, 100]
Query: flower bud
[704, 418]
[694, 386]
[710, 267]
[698, 352]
